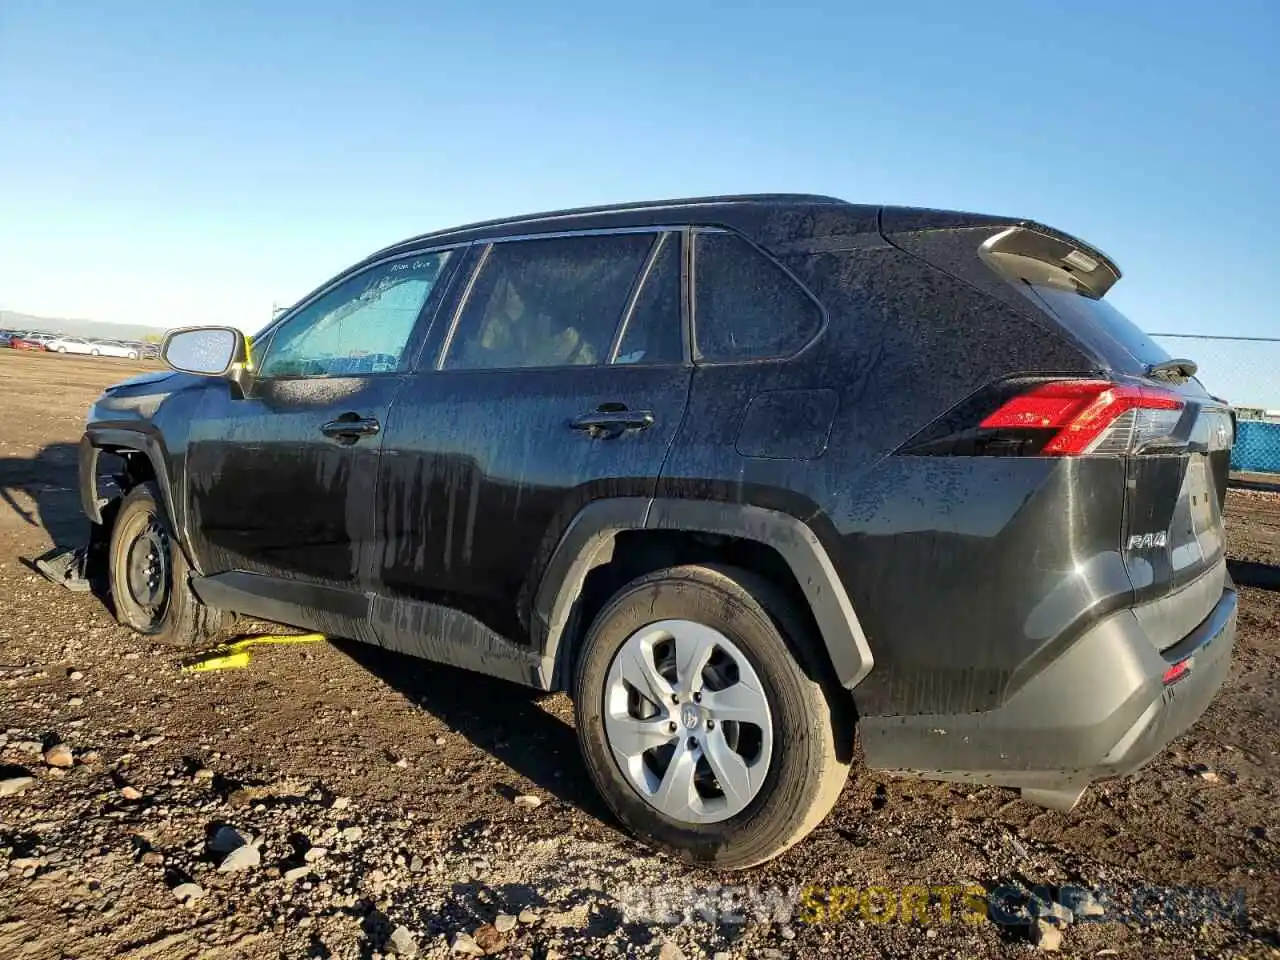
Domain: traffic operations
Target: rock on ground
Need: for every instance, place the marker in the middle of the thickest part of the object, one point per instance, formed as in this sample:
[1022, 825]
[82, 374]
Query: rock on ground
[1046, 936]
[402, 943]
[11, 786]
[188, 892]
[241, 858]
[59, 755]
[225, 839]
[464, 944]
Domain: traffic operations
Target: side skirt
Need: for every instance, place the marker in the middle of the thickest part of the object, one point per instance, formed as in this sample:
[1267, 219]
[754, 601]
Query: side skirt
[427, 630]
[444, 635]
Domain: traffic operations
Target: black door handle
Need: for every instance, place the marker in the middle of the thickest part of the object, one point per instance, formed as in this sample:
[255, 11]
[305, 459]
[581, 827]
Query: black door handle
[350, 427]
[611, 423]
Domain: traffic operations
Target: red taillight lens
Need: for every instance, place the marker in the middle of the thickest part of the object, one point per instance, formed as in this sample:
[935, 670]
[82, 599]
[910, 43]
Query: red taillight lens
[1080, 412]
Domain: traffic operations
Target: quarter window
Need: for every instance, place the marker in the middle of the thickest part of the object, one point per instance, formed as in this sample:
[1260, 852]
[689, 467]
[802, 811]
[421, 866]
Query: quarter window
[653, 332]
[547, 303]
[747, 307]
[359, 327]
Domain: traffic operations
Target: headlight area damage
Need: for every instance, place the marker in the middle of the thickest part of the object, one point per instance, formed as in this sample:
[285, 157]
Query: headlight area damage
[129, 406]
[84, 568]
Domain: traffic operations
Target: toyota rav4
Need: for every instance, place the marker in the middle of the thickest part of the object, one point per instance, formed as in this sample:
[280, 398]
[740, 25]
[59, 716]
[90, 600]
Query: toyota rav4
[741, 475]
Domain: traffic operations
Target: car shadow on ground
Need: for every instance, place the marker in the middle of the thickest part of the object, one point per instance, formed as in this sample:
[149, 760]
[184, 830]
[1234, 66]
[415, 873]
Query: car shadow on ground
[503, 719]
[41, 491]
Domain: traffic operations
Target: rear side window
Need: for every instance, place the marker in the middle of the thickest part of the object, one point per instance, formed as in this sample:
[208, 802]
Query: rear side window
[547, 303]
[746, 307]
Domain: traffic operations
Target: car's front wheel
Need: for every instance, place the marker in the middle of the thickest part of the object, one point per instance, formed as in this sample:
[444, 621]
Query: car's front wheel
[133, 354]
[149, 576]
[709, 729]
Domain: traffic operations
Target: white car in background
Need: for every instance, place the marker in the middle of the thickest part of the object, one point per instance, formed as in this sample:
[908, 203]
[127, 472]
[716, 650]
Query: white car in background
[92, 348]
[114, 348]
[67, 345]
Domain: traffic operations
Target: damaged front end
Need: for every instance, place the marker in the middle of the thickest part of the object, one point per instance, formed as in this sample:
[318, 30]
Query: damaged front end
[121, 434]
[84, 568]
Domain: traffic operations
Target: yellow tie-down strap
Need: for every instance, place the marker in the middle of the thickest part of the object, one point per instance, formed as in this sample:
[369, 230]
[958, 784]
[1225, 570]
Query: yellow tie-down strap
[231, 656]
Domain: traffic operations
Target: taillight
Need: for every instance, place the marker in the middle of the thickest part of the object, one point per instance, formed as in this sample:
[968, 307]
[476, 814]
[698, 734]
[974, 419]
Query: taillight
[1089, 416]
[1025, 417]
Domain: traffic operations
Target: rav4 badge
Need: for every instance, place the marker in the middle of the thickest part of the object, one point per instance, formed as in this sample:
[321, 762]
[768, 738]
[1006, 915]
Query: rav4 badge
[1144, 541]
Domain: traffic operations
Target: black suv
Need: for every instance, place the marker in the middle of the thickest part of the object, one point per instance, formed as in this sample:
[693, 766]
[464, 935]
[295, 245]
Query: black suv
[739, 474]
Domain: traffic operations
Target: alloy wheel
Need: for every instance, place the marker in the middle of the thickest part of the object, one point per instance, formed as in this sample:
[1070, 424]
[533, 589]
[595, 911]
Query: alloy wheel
[688, 722]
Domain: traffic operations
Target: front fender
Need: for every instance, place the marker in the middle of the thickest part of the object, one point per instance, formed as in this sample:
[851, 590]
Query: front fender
[145, 440]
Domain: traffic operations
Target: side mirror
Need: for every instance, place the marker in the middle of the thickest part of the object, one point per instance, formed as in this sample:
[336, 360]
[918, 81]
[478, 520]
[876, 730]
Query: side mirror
[207, 351]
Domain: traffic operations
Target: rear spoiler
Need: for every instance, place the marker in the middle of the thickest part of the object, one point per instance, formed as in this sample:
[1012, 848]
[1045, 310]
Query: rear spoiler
[1031, 253]
[1014, 247]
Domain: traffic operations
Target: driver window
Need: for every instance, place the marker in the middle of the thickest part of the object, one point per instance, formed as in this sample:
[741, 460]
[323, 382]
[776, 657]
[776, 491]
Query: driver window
[359, 327]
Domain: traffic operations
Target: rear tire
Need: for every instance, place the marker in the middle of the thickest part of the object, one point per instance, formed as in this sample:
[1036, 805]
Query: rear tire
[149, 576]
[798, 725]
[94, 353]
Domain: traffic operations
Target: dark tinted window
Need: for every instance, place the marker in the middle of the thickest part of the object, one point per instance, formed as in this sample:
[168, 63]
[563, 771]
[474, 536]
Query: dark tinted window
[653, 332]
[1099, 324]
[746, 306]
[547, 303]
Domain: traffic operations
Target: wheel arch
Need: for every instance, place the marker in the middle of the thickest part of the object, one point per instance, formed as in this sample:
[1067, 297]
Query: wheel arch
[146, 451]
[591, 541]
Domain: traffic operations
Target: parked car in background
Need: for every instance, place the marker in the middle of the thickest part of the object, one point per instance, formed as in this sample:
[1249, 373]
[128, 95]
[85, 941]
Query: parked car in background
[93, 348]
[5, 337]
[26, 341]
[68, 345]
[114, 348]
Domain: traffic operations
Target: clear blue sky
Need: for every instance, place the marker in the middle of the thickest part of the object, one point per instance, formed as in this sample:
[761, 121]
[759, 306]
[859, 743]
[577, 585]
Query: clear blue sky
[172, 162]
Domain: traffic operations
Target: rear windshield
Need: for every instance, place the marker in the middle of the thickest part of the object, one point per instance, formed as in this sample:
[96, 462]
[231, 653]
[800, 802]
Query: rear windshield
[1102, 327]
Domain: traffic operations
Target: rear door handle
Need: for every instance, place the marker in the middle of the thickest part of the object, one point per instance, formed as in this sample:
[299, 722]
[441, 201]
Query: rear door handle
[613, 422]
[350, 427]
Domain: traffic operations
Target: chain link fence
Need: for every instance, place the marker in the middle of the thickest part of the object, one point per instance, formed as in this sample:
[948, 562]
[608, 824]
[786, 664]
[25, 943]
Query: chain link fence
[1246, 372]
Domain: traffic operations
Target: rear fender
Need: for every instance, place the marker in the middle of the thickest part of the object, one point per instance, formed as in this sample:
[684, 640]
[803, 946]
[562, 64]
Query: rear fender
[589, 542]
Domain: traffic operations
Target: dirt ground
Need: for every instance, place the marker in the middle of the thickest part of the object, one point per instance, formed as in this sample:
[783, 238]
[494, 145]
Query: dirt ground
[379, 792]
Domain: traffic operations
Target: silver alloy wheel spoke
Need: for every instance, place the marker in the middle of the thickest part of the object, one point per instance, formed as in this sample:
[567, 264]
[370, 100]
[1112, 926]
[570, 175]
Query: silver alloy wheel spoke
[676, 795]
[639, 670]
[632, 737]
[729, 767]
[694, 646]
[742, 702]
[667, 729]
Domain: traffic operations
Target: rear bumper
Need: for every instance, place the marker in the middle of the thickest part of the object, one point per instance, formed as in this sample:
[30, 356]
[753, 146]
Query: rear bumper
[1101, 709]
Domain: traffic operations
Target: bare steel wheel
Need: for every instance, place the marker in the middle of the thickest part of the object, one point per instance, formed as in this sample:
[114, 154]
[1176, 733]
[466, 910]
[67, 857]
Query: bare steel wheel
[148, 578]
[149, 574]
[712, 729]
[688, 721]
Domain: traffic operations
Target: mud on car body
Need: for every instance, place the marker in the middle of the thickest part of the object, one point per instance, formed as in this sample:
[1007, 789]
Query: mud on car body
[741, 475]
